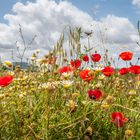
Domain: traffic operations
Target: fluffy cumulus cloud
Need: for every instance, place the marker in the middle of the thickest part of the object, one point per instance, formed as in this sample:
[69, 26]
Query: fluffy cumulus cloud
[47, 19]
[120, 30]
[136, 2]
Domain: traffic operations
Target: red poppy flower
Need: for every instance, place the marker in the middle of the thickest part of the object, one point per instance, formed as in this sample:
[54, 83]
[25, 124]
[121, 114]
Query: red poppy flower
[126, 56]
[84, 74]
[65, 69]
[96, 57]
[75, 63]
[108, 71]
[123, 71]
[5, 80]
[135, 69]
[85, 58]
[95, 94]
[118, 119]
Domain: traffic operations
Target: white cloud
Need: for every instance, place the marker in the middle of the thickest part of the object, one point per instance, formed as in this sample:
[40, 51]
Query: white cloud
[47, 20]
[136, 2]
[120, 30]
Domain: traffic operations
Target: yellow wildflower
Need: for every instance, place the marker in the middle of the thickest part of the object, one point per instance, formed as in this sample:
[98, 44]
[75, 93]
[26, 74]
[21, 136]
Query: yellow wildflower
[105, 106]
[109, 99]
[72, 105]
[132, 92]
[66, 83]
[8, 64]
[129, 133]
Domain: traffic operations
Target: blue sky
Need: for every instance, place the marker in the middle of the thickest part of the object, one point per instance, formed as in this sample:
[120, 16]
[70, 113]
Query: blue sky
[121, 8]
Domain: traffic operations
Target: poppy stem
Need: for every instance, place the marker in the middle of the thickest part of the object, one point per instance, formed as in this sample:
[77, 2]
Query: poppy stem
[117, 133]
